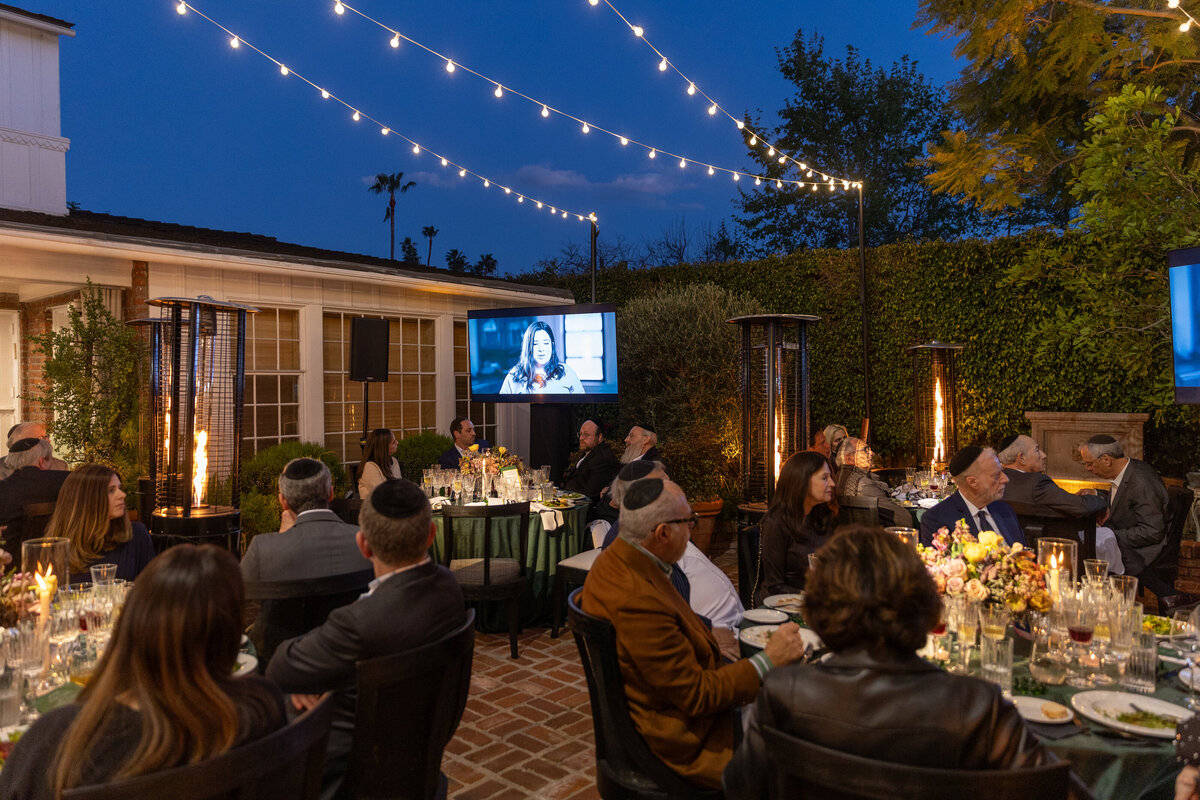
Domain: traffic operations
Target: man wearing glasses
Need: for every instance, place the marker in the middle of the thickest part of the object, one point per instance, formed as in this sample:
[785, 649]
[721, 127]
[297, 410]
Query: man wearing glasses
[681, 695]
[854, 479]
[1137, 509]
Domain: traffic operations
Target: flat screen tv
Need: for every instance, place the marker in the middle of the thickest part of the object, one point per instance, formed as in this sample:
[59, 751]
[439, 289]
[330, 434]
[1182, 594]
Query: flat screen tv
[1183, 268]
[551, 354]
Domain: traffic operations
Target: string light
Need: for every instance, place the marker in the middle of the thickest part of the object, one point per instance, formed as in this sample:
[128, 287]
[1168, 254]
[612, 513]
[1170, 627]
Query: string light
[395, 41]
[184, 6]
[652, 152]
[712, 110]
[545, 111]
[682, 163]
[691, 89]
[662, 65]
[637, 31]
[233, 42]
[449, 65]
[499, 92]
[339, 8]
[586, 128]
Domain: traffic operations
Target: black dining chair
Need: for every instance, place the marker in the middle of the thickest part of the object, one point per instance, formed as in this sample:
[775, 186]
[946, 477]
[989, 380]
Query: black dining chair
[626, 768]
[285, 765]
[293, 608]
[35, 518]
[1039, 522]
[803, 770]
[858, 511]
[488, 578]
[408, 706]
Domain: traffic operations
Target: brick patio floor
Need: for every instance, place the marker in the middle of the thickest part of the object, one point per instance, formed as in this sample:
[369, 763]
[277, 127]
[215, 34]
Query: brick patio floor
[527, 727]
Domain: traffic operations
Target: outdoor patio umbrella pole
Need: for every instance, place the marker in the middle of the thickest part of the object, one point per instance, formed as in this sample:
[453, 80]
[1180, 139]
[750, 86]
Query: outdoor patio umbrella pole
[862, 290]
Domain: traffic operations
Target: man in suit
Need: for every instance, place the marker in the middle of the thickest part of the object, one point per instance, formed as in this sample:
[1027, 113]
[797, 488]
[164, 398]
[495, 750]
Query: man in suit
[981, 481]
[681, 696]
[412, 602]
[598, 466]
[1138, 508]
[463, 432]
[1025, 464]
[642, 444]
[32, 481]
[28, 430]
[312, 542]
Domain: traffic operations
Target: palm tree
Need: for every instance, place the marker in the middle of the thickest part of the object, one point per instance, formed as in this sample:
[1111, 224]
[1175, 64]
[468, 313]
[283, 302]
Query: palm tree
[391, 184]
[430, 232]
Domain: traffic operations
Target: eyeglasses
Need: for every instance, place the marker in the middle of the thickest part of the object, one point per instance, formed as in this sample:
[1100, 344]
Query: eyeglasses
[691, 521]
[1088, 464]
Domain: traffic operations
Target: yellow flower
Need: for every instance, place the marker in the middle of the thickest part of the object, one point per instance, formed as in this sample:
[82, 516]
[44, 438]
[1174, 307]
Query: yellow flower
[974, 552]
[474, 448]
[501, 450]
[990, 539]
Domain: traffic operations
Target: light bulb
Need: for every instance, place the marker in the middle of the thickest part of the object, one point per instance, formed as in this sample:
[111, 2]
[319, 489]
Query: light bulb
[637, 30]
[181, 8]
[416, 149]
[520, 198]
[712, 110]
[395, 40]
[740, 124]
[444, 162]
[507, 190]
[499, 92]
[594, 2]
[449, 65]
[753, 141]
[462, 173]
[758, 181]
[778, 184]
[1172, 3]
[814, 187]
[845, 184]
[386, 131]
[737, 177]
[486, 183]
[711, 171]
[771, 151]
[691, 88]
[682, 163]
[808, 174]
[662, 65]
[831, 187]
[539, 203]
[339, 8]
[783, 159]
[624, 141]
[356, 116]
[545, 111]
[324, 94]
[1186, 26]
[803, 167]
[652, 153]
[586, 128]
[234, 42]
[553, 210]
[283, 70]
[564, 215]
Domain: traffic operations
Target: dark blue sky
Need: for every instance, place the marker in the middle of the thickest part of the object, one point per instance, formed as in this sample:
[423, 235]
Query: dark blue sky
[168, 122]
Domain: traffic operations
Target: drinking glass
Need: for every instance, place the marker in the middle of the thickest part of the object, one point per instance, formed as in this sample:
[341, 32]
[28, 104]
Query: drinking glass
[1096, 569]
[48, 557]
[1141, 671]
[964, 619]
[1057, 557]
[456, 486]
[994, 619]
[30, 657]
[11, 681]
[910, 477]
[996, 660]
[427, 481]
[1046, 664]
[1124, 621]
[1080, 610]
[936, 648]
[1125, 586]
[906, 535]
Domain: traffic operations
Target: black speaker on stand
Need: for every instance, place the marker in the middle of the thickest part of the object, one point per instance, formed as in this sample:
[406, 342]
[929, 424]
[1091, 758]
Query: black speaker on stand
[368, 359]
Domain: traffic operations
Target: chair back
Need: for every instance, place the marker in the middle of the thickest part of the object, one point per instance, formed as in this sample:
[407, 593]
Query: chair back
[408, 707]
[749, 562]
[346, 508]
[1039, 522]
[35, 518]
[452, 538]
[858, 511]
[285, 765]
[293, 608]
[622, 756]
[806, 770]
[1179, 505]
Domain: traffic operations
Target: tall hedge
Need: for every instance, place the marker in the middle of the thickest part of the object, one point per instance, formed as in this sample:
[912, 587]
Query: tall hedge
[952, 291]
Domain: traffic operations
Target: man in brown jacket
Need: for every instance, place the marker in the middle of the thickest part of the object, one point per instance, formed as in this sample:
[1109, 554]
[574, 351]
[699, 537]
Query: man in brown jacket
[681, 696]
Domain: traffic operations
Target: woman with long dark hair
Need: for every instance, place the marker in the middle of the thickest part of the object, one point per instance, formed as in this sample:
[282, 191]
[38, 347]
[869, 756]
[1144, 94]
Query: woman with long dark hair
[164, 693]
[377, 464]
[798, 521]
[539, 370]
[90, 511]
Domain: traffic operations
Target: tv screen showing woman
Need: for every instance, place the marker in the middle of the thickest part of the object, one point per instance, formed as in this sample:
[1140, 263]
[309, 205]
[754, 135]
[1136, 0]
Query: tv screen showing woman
[539, 370]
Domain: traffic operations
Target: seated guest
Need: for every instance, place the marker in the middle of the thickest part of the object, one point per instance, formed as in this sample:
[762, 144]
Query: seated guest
[818, 444]
[28, 430]
[834, 436]
[1187, 754]
[681, 697]
[798, 521]
[1138, 509]
[854, 479]
[596, 468]
[712, 596]
[164, 693]
[32, 481]
[377, 464]
[980, 480]
[462, 430]
[313, 543]
[642, 445]
[872, 602]
[633, 471]
[91, 513]
[1025, 465]
[411, 602]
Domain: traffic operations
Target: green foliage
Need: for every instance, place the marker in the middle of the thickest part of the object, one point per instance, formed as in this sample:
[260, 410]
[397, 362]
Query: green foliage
[855, 121]
[92, 386]
[408, 253]
[261, 473]
[456, 260]
[260, 513]
[679, 370]
[415, 453]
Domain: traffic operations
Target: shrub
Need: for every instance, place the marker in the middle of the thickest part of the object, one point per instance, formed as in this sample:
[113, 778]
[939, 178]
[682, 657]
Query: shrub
[260, 514]
[261, 473]
[415, 453]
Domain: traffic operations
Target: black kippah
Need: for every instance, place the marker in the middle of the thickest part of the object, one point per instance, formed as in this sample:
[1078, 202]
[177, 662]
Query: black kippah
[398, 498]
[964, 458]
[647, 427]
[636, 470]
[21, 445]
[1007, 442]
[1102, 438]
[642, 493]
[302, 468]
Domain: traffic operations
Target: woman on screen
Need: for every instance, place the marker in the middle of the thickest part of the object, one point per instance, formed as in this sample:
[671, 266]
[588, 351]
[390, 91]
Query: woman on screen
[539, 371]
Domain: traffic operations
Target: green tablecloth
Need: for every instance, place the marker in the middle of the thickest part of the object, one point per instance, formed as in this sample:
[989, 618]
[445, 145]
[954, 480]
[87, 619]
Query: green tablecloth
[545, 550]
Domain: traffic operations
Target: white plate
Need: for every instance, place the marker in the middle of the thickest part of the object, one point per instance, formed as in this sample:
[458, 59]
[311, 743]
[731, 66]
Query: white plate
[757, 635]
[791, 603]
[1034, 710]
[1185, 676]
[766, 615]
[1103, 707]
[245, 640]
[928, 502]
[246, 664]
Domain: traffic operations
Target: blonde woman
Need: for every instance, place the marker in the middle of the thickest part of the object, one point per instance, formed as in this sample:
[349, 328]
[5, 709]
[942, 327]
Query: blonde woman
[91, 513]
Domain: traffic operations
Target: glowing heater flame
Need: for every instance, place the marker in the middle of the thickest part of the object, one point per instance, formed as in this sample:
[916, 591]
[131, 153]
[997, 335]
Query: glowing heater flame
[939, 424]
[200, 469]
[778, 447]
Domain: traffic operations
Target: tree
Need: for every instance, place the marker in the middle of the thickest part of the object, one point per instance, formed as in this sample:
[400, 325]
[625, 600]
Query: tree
[858, 122]
[486, 265]
[456, 260]
[391, 184]
[408, 253]
[429, 232]
[1035, 71]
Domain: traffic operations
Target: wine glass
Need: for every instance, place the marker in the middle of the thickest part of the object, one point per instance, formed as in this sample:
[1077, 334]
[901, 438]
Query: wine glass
[1080, 611]
[994, 618]
[1190, 643]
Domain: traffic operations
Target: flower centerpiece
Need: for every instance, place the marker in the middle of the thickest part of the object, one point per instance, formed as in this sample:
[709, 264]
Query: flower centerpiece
[986, 569]
[490, 461]
[18, 596]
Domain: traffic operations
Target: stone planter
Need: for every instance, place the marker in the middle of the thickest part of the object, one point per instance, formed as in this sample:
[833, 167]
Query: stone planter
[708, 511]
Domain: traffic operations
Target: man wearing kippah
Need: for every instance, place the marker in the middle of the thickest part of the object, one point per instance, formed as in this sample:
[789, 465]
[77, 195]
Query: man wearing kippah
[412, 602]
[642, 445]
[681, 695]
[28, 430]
[981, 481]
[1138, 510]
[33, 480]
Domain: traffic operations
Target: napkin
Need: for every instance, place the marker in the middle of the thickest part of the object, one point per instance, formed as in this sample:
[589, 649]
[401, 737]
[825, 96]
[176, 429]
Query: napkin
[551, 517]
[1060, 731]
[928, 502]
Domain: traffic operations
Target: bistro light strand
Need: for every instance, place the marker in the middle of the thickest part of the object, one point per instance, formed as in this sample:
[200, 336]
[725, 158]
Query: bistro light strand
[358, 114]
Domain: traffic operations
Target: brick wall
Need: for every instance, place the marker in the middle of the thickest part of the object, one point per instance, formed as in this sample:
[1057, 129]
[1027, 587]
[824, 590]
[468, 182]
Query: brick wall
[1189, 567]
[35, 320]
[138, 292]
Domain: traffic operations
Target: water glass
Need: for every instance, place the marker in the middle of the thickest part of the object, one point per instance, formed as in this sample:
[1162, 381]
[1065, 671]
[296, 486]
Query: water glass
[996, 659]
[1125, 586]
[1142, 668]
[103, 574]
[1046, 663]
[1096, 569]
[994, 620]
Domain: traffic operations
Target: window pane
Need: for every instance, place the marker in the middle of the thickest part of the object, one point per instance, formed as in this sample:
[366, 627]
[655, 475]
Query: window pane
[289, 355]
[267, 388]
[289, 324]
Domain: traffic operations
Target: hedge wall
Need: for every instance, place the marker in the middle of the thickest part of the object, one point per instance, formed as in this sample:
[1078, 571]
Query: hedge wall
[952, 291]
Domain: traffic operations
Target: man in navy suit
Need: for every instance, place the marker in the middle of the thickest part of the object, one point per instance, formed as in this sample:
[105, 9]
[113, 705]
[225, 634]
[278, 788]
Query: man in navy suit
[463, 432]
[980, 480]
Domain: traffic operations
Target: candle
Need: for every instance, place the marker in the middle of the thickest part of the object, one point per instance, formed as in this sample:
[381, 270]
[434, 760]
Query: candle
[46, 586]
[1053, 572]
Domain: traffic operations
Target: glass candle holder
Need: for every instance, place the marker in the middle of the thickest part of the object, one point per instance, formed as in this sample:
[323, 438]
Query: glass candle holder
[906, 535]
[1058, 559]
[47, 557]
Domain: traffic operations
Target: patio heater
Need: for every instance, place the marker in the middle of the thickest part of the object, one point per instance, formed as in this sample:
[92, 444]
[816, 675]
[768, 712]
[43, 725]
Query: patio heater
[774, 377]
[935, 403]
[197, 380]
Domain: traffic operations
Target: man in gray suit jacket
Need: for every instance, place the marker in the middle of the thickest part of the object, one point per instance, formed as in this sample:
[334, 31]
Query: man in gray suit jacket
[411, 602]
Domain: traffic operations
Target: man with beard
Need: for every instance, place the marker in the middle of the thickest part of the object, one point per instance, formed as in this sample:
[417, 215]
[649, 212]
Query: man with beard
[641, 444]
[596, 468]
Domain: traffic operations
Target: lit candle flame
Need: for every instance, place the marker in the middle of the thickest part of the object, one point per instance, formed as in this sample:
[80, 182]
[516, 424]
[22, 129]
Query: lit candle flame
[46, 583]
[939, 423]
[200, 468]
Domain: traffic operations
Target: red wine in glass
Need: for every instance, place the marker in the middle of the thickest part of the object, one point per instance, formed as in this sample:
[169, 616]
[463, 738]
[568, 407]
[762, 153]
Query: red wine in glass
[940, 628]
[1080, 635]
